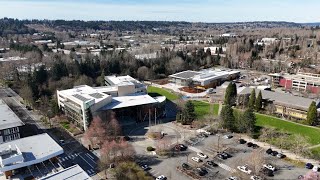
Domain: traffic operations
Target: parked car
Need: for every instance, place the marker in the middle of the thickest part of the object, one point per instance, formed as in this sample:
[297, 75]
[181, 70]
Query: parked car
[315, 168]
[145, 167]
[309, 166]
[185, 166]
[200, 154]
[232, 178]
[211, 163]
[270, 167]
[29, 108]
[221, 156]
[196, 159]
[266, 172]
[274, 153]
[269, 151]
[183, 147]
[249, 144]
[280, 155]
[242, 141]
[244, 169]
[161, 177]
[255, 177]
[61, 142]
[227, 136]
[226, 154]
[202, 171]
[255, 146]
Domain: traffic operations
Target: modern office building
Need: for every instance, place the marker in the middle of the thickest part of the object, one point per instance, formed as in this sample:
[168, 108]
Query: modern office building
[9, 124]
[208, 78]
[123, 94]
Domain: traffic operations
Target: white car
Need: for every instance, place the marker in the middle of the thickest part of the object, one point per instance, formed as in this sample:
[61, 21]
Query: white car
[254, 177]
[244, 169]
[200, 154]
[145, 167]
[196, 159]
[315, 169]
[232, 178]
[227, 136]
[269, 166]
[162, 177]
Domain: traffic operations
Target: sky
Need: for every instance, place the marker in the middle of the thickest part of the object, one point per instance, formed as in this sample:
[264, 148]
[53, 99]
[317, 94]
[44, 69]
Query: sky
[164, 10]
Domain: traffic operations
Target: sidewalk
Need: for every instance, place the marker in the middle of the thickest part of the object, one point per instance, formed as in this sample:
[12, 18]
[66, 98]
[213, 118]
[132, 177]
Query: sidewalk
[288, 153]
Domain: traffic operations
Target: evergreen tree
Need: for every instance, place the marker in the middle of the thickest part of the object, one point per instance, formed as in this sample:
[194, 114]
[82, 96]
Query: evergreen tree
[188, 113]
[228, 119]
[258, 103]
[252, 99]
[249, 119]
[231, 94]
[312, 114]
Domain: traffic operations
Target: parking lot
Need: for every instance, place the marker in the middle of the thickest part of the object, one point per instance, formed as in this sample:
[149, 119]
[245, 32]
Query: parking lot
[241, 155]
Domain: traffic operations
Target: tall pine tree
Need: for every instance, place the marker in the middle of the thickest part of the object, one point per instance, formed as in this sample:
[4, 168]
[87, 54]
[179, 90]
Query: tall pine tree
[312, 114]
[258, 103]
[231, 94]
[249, 119]
[227, 118]
[252, 99]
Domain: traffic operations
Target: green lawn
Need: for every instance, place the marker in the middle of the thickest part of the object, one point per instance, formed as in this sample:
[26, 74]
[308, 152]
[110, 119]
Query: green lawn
[203, 108]
[293, 128]
[155, 91]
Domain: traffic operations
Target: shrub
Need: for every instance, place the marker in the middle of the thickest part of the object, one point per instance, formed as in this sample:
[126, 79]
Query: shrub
[149, 148]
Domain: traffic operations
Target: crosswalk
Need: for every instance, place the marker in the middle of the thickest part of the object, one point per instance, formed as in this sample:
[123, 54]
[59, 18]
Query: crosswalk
[68, 157]
[226, 167]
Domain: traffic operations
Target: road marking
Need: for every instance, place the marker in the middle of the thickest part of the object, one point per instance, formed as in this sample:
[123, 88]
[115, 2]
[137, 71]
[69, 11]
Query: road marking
[86, 154]
[90, 156]
[86, 161]
[225, 167]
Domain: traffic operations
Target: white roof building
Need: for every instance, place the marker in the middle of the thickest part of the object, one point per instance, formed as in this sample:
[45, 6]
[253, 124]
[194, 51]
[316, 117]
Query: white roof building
[8, 118]
[71, 173]
[121, 91]
[27, 151]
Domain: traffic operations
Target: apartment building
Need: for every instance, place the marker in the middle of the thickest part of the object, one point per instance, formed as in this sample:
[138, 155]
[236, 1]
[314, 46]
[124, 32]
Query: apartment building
[9, 124]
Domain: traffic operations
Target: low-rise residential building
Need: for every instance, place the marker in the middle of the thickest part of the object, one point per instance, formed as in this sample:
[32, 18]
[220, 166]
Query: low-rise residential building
[283, 104]
[307, 82]
[204, 79]
[9, 124]
[26, 152]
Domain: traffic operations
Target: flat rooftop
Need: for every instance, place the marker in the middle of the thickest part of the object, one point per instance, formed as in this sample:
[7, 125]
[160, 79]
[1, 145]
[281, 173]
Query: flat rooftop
[34, 149]
[129, 101]
[281, 98]
[185, 74]
[86, 93]
[8, 119]
[71, 173]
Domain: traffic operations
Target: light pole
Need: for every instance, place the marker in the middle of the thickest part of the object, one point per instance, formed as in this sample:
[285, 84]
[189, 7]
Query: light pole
[219, 143]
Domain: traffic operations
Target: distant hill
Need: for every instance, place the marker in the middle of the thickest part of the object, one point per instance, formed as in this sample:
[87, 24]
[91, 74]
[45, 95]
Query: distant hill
[311, 24]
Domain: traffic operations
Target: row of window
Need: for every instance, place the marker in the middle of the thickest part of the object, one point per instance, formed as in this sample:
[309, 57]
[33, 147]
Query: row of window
[11, 131]
[11, 137]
